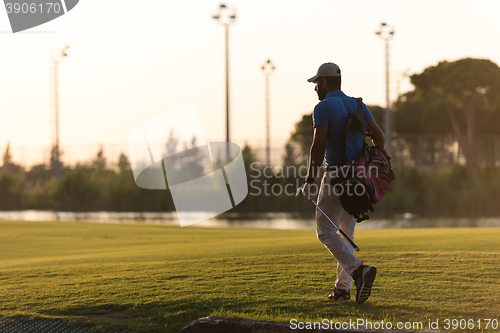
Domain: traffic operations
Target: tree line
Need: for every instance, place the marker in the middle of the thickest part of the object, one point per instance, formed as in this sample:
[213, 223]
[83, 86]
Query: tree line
[88, 186]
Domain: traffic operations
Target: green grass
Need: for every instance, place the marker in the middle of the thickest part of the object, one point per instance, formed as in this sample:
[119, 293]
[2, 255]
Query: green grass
[150, 278]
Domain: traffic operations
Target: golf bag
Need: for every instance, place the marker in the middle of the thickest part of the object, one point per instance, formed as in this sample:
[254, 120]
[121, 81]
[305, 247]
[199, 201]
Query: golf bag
[363, 181]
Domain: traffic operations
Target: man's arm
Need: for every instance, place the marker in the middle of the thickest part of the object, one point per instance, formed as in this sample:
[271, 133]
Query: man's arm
[378, 135]
[317, 150]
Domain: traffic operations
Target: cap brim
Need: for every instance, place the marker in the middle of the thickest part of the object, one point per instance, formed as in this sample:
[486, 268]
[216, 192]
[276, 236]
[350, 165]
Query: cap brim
[314, 78]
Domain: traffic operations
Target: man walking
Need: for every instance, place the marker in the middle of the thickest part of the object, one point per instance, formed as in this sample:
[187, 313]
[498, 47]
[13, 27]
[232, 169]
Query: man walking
[329, 121]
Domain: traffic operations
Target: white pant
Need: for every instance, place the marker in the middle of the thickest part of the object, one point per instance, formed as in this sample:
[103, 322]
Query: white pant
[328, 235]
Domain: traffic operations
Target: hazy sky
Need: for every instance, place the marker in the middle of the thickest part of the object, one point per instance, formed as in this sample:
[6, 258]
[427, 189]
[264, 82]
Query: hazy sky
[130, 61]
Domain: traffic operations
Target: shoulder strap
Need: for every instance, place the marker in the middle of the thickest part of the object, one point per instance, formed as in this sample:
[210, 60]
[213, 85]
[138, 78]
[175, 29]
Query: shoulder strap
[360, 118]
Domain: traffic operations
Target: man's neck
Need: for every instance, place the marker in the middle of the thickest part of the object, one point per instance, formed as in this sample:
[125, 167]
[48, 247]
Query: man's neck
[327, 91]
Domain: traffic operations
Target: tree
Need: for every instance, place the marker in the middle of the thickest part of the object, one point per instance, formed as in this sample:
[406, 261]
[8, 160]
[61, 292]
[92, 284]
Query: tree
[55, 157]
[303, 136]
[8, 164]
[123, 162]
[290, 156]
[37, 172]
[99, 162]
[414, 114]
[461, 90]
[195, 161]
[12, 191]
[189, 162]
[248, 157]
[7, 156]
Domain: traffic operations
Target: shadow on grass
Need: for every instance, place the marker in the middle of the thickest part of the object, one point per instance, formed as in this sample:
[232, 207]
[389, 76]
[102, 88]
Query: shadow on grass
[172, 316]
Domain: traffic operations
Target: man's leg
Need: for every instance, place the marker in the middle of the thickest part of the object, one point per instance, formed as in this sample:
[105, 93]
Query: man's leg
[326, 231]
[338, 247]
[347, 223]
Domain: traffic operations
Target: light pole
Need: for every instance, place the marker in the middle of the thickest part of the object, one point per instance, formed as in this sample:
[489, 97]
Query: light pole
[56, 59]
[267, 69]
[226, 16]
[387, 33]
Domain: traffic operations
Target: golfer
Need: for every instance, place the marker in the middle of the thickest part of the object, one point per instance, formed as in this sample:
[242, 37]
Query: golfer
[329, 121]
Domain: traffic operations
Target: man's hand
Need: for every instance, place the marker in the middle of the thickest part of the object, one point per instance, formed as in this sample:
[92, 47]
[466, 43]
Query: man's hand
[309, 188]
[377, 136]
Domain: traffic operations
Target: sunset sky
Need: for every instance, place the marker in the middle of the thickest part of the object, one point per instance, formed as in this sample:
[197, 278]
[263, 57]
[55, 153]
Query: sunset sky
[130, 61]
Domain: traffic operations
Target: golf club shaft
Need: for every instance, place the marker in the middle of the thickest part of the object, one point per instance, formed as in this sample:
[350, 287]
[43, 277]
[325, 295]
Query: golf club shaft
[336, 226]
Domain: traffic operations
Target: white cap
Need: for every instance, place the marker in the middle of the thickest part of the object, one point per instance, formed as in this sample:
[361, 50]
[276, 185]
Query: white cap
[327, 69]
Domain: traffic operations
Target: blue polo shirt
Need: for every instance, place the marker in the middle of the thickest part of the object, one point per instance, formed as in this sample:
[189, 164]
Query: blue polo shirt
[332, 112]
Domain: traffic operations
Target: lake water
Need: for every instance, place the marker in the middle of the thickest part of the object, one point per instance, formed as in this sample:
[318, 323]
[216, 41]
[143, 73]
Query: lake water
[257, 221]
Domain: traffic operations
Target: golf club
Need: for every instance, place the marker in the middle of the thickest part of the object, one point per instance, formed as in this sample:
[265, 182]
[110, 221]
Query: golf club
[301, 189]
